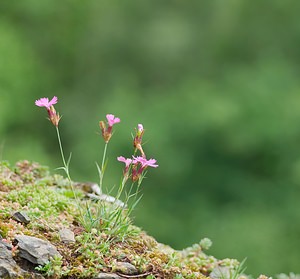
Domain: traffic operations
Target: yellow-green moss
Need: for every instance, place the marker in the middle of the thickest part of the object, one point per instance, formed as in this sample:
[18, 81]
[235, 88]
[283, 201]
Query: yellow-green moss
[51, 205]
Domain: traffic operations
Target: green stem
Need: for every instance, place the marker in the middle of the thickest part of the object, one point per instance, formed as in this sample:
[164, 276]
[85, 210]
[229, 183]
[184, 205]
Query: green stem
[102, 166]
[66, 165]
[66, 168]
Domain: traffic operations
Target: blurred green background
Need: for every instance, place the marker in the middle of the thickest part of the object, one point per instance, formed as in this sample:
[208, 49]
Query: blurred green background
[216, 85]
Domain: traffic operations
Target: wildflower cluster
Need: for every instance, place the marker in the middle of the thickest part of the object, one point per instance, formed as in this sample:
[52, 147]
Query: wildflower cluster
[134, 167]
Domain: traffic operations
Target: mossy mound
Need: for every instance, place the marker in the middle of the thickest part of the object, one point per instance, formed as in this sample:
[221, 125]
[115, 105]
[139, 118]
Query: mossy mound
[97, 250]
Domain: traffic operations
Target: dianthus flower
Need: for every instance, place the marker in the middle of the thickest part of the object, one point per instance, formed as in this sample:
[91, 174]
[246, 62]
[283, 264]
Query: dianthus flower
[107, 131]
[53, 115]
[139, 164]
[127, 162]
[111, 119]
[144, 162]
[44, 102]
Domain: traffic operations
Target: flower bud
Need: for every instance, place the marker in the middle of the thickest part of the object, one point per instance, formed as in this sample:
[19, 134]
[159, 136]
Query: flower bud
[137, 141]
[53, 116]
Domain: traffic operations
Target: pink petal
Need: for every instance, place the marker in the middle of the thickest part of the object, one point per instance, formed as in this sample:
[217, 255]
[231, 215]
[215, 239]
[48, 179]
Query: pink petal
[121, 159]
[44, 102]
[111, 119]
[144, 162]
[124, 160]
[138, 159]
[53, 101]
[140, 127]
[151, 163]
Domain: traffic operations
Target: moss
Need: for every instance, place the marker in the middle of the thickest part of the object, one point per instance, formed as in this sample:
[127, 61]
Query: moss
[8, 179]
[30, 171]
[51, 205]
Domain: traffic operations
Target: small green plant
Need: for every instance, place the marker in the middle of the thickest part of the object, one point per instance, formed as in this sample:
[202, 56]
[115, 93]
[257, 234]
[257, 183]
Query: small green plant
[240, 270]
[291, 275]
[52, 268]
[229, 269]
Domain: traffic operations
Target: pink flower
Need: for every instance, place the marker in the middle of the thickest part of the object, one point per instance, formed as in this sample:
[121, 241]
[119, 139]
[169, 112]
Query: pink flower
[111, 119]
[53, 115]
[44, 102]
[144, 162]
[107, 131]
[139, 165]
[127, 161]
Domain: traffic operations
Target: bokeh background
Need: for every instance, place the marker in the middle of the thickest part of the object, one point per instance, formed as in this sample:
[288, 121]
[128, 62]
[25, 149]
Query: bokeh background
[216, 85]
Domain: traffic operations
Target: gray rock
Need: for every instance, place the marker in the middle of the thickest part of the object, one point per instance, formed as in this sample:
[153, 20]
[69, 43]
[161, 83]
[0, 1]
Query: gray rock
[21, 217]
[66, 236]
[35, 250]
[8, 266]
[104, 275]
[94, 192]
[125, 268]
[7, 245]
[35, 276]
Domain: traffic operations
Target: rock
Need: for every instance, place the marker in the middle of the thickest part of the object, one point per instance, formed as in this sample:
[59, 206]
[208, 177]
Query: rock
[96, 189]
[66, 236]
[6, 244]
[35, 276]
[35, 250]
[88, 187]
[107, 198]
[8, 266]
[21, 217]
[125, 268]
[103, 275]
[94, 192]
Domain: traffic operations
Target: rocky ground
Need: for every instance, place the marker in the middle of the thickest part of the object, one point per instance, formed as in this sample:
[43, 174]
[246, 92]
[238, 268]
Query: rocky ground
[49, 230]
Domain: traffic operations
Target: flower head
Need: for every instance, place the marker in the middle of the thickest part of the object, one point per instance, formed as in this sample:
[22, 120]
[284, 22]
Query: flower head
[53, 115]
[144, 162]
[44, 102]
[127, 161]
[107, 131]
[139, 164]
[111, 119]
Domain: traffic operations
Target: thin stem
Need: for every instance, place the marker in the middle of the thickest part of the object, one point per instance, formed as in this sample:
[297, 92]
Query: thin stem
[101, 173]
[66, 167]
[120, 190]
[137, 189]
